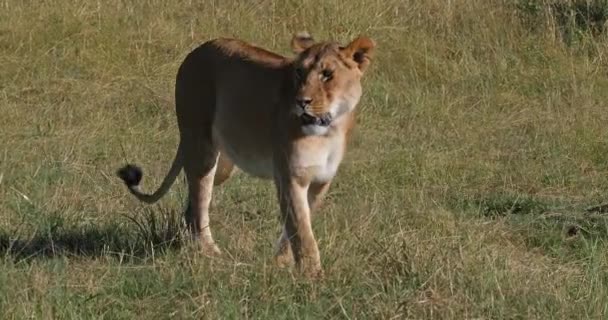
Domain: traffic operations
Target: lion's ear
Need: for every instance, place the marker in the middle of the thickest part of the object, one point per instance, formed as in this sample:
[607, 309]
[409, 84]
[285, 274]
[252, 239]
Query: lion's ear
[301, 41]
[361, 50]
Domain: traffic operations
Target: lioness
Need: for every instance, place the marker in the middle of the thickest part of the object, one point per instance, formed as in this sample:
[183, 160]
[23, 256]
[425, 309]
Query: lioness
[274, 117]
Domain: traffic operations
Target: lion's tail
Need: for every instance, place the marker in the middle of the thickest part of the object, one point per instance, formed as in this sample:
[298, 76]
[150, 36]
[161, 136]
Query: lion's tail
[131, 175]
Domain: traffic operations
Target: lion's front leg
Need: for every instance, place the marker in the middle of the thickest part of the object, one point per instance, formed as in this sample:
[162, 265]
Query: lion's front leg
[295, 216]
[283, 255]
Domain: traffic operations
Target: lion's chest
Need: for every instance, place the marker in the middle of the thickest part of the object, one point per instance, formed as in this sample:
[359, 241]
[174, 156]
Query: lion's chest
[320, 161]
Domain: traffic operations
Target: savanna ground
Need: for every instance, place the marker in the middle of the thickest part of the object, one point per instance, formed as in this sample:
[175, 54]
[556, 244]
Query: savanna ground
[482, 138]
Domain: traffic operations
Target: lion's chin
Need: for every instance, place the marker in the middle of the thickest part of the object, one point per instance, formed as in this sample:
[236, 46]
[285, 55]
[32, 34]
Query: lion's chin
[315, 130]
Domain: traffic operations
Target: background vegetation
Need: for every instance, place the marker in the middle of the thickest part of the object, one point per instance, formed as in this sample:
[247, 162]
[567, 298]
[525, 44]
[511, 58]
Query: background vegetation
[481, 141]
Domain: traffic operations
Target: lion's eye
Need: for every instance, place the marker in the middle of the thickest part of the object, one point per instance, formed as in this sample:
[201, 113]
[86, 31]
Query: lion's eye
[299, 73]
[327, 75]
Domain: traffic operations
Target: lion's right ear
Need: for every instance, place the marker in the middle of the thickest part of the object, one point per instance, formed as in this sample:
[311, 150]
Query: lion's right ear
[301, 41]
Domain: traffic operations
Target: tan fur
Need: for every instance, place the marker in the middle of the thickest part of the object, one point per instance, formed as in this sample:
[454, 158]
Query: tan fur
[241, 106]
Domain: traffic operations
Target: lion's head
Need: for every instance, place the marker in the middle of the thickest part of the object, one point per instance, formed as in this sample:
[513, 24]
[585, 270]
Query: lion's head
[327, 77]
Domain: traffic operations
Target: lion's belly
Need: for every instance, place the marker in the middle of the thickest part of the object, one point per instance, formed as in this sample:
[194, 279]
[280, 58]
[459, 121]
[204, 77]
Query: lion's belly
[249, 147]
[259, 165]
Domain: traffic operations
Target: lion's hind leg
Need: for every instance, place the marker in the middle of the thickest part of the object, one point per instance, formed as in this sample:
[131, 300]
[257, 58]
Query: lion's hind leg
[200, 167]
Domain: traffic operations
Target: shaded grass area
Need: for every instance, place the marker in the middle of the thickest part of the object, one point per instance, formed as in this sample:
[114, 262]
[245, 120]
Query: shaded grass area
[480, 143]
[143, 234]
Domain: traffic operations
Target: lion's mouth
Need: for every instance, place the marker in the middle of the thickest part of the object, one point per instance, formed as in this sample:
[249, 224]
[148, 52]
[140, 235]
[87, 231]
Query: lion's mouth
[324, 120]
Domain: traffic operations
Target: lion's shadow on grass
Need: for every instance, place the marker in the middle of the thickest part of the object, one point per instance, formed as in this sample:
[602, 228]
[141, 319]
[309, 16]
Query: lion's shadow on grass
[137, 236]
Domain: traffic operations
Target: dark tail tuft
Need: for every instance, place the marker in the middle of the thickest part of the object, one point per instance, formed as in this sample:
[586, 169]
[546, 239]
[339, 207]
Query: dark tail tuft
[130, 174]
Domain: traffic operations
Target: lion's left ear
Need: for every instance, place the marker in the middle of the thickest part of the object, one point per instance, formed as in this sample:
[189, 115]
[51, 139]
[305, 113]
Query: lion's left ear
[361, 50]
[301, 41]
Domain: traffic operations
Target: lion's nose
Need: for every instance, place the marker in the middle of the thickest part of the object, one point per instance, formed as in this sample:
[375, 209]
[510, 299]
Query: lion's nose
[303, 102]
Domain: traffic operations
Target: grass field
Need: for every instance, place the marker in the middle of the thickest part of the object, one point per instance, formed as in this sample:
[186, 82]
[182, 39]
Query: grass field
[480, 142]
